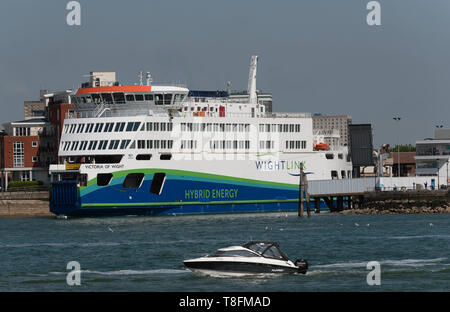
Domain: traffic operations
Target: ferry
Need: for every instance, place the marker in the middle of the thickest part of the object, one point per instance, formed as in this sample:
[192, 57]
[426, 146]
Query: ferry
[147, 149]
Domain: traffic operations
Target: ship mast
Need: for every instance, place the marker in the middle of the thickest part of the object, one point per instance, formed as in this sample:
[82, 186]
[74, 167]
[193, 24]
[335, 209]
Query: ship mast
[253, 98]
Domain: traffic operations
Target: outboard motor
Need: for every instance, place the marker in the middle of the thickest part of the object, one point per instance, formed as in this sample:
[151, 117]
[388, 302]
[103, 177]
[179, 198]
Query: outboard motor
[302, 265]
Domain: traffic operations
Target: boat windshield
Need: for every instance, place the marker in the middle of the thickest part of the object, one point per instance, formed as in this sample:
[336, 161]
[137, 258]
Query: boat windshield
[232, 253]
[267, 249]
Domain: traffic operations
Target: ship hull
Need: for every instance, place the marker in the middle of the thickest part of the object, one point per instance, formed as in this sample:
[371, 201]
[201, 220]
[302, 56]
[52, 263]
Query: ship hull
[184, 192]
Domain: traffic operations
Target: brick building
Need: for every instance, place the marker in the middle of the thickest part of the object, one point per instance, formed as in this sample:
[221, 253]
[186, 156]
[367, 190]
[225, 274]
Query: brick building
[29, 146]
[20, 151]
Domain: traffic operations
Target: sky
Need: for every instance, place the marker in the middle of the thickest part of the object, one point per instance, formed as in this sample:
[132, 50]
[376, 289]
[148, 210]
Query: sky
[317, 56]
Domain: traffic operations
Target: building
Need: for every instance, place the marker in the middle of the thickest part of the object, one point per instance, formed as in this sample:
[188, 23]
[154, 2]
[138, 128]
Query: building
[29, 146]
[337, 122]
[20, 151]
[407, 164]
[432, 156]
[58, 106]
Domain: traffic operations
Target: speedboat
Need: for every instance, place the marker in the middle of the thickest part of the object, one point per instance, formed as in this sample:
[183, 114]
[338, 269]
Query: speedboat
[255, 257]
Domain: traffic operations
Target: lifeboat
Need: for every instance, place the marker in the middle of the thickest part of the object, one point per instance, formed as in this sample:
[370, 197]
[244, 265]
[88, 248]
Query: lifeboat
[321, 147]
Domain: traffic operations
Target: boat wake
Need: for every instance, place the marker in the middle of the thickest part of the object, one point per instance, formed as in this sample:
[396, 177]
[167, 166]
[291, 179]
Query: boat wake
[131, 272]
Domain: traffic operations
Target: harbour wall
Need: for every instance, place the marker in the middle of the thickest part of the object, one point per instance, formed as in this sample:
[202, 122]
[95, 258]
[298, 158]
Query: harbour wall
[403, 202]
[24, 204]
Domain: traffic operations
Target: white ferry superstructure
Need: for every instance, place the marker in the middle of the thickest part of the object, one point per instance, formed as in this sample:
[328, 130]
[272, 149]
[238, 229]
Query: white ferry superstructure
[150, 149]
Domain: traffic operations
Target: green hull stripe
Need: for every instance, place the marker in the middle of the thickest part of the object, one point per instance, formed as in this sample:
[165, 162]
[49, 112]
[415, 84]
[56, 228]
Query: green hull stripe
[122, 173]
[191, 203]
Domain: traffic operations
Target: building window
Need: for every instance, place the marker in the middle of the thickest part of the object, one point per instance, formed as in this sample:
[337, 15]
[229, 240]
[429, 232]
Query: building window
[22, 131]
[34, 144]
[25, 176]
[35, 159]
[18, 154]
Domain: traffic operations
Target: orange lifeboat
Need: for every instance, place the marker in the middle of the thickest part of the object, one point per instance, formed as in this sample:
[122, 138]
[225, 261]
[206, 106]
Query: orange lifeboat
[321, 147]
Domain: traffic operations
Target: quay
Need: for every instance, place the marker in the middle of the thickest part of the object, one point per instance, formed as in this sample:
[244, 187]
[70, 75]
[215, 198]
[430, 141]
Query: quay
[376, 195]
[30, 203]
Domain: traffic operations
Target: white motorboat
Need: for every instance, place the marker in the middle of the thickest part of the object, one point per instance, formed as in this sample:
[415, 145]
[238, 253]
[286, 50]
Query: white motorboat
[255, 257]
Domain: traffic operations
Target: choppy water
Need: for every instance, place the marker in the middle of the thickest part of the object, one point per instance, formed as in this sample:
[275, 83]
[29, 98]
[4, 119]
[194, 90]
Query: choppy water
[146, 253]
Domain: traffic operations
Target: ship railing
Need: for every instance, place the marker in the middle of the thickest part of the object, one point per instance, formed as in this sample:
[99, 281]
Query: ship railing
[286, 115]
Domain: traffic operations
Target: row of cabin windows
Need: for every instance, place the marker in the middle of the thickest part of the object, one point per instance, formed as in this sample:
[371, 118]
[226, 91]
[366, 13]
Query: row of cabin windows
[266, 144]
[135, 181]
[102, 127]
[122, 98]
[117, 127]
[216, 127]
[157, 126]
[295, 144]
[227, 144]
[150, 144]
[95, 144]
[279, 127]
[116, 144]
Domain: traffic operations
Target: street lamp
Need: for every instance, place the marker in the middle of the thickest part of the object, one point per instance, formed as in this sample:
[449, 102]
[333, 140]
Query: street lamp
[398, 146]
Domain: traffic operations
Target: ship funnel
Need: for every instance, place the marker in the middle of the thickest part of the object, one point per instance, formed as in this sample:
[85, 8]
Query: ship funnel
[253, 98]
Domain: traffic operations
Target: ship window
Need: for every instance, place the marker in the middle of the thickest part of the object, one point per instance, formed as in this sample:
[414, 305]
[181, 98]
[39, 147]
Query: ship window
[130, 97]
[80, 128]
[334, 174]
[329, 156]
[124, 144]
[114, 144]
[96, 98]
[133, 180]
[119, 127]
[103, 179]
[158, 99]
[148, 97]
[102, 144]
[92, 145]
[133, 126]
[141, 144]
[83, 145]
[89, 127]
[119, 97]
[143, 156]
[165, 156]
[98, 127]
[157, 183]
[107, 98]
[167, 99]
[139, 97]
[109, 126]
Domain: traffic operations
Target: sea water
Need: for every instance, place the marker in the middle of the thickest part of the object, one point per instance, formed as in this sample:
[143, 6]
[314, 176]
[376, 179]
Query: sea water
[146, 253]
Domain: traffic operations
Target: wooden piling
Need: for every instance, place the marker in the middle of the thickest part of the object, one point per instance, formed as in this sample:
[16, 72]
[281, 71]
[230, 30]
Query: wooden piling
[300, 192]
[308, 205]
